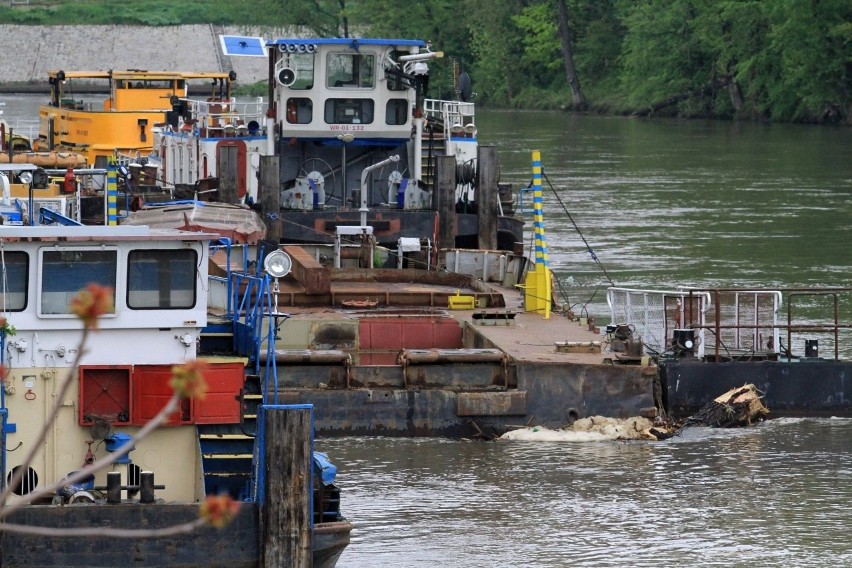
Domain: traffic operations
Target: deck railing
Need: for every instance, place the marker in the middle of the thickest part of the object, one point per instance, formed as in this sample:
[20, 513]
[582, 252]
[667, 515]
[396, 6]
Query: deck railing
[738, 323]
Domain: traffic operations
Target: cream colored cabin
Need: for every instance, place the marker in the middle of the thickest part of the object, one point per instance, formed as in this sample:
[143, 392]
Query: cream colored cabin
[160, 283]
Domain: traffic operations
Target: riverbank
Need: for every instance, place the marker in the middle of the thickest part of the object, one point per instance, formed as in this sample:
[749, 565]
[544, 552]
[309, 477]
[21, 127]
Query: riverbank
[91, 48]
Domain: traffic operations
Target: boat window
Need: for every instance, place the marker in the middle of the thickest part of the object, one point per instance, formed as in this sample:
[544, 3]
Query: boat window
[351, 70]
[349, 111]
[65, 272]
[14, 273]
[396, 111]
[302, 65]
[161, 279]
[395, 82]
[300, 111]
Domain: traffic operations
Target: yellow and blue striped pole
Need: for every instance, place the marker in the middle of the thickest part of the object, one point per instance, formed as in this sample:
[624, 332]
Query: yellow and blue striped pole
[538, 294]
[538, 214]
[112, 194]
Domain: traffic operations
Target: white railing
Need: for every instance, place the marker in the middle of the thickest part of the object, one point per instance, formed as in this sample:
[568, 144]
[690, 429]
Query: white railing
[655, 314]
[458, 117]
[726, 321]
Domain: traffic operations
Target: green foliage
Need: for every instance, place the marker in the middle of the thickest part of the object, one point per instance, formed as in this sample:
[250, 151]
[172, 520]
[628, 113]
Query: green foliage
[782, 60]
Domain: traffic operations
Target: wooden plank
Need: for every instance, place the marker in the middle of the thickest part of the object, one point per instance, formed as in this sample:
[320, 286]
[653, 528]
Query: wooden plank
[307, 271]
[286, 512]
[269, 196]
[487, 196]
[578, 346]
[445, 204]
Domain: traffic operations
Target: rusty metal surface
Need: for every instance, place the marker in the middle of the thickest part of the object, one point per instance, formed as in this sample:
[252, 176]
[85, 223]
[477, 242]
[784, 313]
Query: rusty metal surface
[450, 356]
[490, 380]
[312, 275]
[513, 403]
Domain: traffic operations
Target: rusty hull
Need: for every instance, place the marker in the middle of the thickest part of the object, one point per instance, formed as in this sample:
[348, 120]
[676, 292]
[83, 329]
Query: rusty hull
[407, 365]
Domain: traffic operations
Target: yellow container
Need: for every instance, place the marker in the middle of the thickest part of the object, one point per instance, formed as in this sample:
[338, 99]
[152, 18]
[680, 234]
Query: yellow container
[459, 302]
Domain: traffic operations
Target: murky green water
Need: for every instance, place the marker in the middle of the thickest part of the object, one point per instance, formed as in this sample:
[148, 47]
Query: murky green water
[662, 203]
[773, 495]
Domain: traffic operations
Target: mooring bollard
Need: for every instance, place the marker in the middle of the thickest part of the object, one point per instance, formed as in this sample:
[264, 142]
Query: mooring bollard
[113, 487]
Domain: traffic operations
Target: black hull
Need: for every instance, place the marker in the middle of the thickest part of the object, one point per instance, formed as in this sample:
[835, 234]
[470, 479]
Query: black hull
[233, 546]
[799, 388]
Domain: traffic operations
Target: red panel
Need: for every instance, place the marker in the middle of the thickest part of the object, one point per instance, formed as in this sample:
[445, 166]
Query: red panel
[151, 391]
[105, 393]
[409, 333]
[221, 405]
[382, 334]
[378, 358]
[448, 335]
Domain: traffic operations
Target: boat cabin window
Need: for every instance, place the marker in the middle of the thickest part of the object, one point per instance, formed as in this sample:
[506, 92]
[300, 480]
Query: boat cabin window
[15, 269]
[147, 84]
[65, 272]
[299, 110]
[302, 65]
[349, 111]
[396, 111]
[394, 81]
[351, 71]
[161, 279]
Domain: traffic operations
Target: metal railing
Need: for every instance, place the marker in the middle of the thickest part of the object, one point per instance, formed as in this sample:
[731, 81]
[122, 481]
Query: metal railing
[733, 323]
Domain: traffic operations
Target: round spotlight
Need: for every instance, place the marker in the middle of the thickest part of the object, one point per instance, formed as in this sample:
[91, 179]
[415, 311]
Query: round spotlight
[292, 48]
[302, 48]
[26, 177]
[277, 264]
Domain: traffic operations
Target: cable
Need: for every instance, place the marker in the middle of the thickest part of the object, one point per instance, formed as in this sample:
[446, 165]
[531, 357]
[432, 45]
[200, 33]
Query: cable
[579, 232]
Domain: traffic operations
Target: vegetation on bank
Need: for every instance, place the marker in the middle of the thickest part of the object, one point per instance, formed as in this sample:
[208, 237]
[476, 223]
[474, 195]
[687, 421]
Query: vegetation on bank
[784, 60]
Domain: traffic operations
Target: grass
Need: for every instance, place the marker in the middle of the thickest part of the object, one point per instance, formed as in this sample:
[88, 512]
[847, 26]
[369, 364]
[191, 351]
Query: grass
[138, 12]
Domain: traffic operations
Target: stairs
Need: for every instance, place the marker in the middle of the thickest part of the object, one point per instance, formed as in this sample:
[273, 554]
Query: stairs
[227, 450]
[433, 144]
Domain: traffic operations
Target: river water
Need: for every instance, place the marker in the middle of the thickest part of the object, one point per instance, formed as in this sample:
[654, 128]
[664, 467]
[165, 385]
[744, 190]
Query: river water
[661, 203]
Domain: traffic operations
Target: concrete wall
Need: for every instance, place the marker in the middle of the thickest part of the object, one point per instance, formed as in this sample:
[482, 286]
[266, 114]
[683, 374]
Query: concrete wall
[31, 51]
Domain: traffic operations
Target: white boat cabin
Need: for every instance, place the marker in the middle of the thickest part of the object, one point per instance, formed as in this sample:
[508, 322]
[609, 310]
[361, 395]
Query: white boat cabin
[125, 367]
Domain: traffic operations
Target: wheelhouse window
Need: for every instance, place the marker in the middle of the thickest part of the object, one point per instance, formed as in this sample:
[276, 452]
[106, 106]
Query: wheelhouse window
[161, 279]
[396, 111]
[395, 81]
[303, 65]
[349, 111]
[14, 274]
[67, 271]
[351, 71]
[299, 110]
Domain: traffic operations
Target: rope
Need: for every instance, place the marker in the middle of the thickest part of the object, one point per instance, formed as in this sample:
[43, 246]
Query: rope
[579, 232]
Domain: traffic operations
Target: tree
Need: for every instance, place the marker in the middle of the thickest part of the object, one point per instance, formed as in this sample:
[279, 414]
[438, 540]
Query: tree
[568, 57]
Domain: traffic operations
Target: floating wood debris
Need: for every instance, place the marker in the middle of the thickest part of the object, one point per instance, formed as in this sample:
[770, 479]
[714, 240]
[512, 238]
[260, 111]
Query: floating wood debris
[739, 406]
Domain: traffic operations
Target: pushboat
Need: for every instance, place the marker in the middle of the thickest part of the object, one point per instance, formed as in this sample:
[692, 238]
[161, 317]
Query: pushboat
[240, 440]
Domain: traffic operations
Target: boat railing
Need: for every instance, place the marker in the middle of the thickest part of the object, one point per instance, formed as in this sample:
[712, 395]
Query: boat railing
[655, 314]
[737, 323]
[457, 117]
[221, 117]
